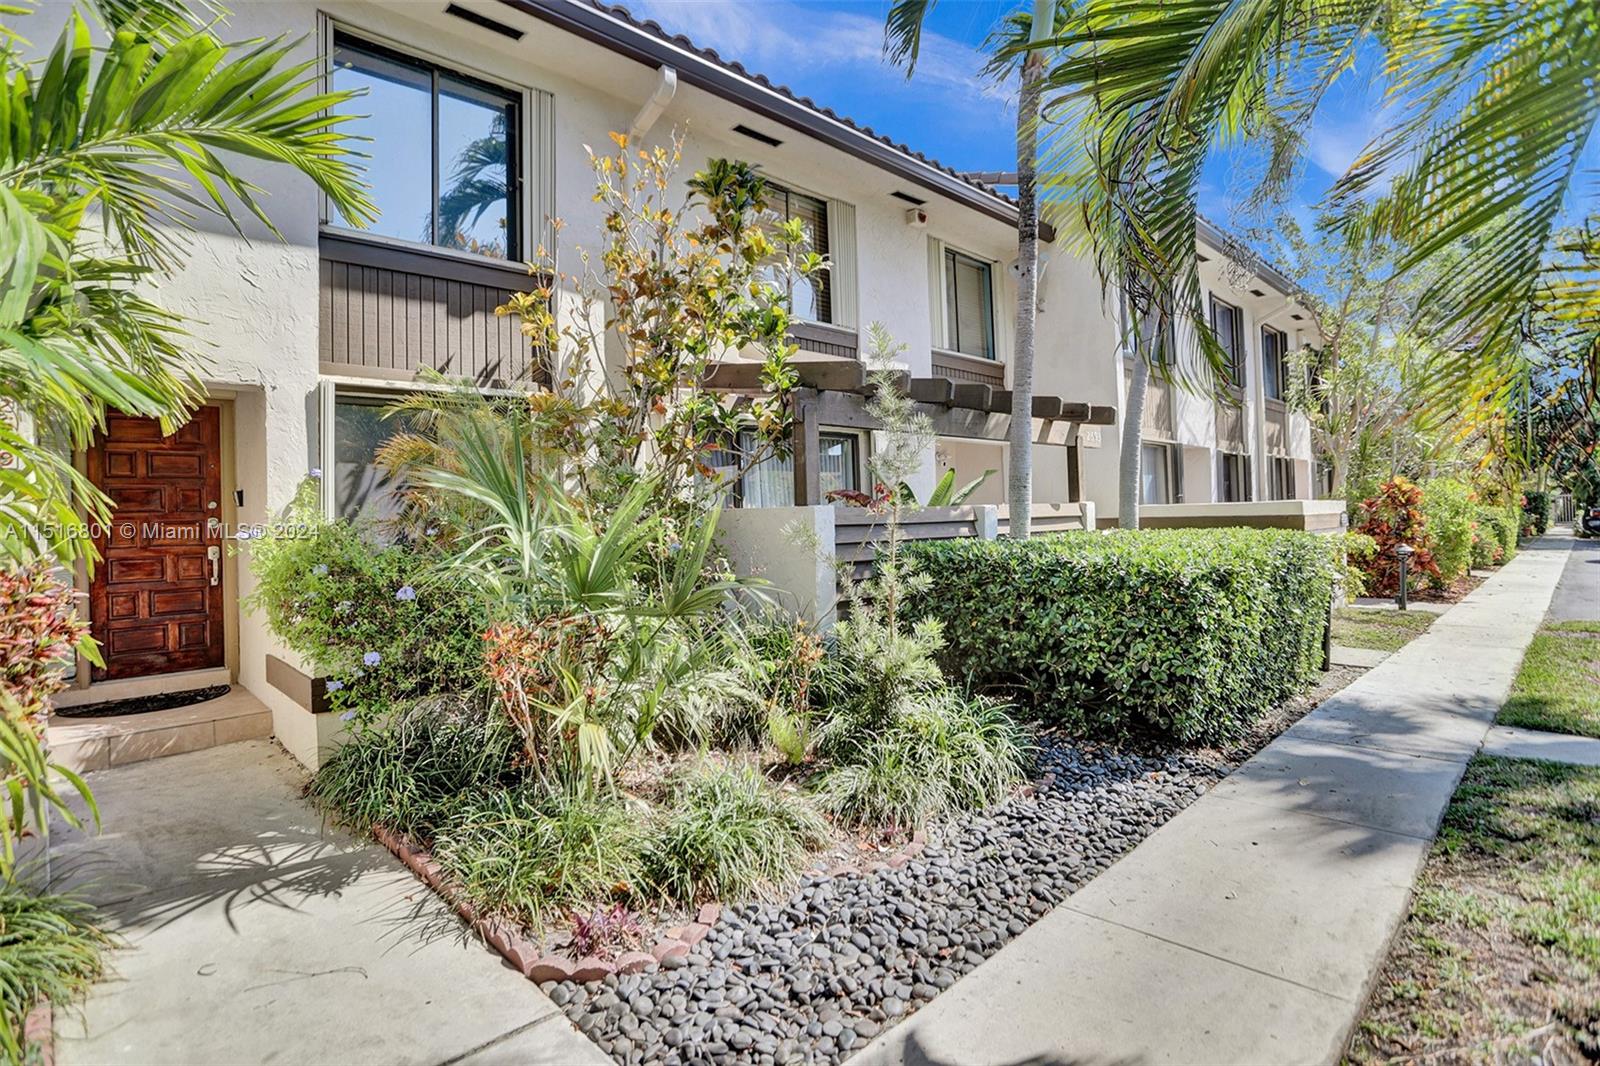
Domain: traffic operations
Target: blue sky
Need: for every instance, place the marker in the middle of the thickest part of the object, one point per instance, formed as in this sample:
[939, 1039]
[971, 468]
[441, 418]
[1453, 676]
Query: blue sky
[830, 50]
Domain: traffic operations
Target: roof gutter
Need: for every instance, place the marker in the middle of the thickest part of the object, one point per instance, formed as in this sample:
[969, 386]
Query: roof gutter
[616, 34]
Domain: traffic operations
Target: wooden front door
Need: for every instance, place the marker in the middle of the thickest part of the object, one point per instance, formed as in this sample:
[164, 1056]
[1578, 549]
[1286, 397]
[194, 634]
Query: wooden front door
[156, 595]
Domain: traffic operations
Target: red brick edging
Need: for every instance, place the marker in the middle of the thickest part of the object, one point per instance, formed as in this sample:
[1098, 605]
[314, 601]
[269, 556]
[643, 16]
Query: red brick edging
[530, 959]
[39, 1029]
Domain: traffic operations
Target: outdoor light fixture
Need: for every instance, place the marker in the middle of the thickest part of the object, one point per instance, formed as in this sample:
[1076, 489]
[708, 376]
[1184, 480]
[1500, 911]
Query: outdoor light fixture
[1404, 551]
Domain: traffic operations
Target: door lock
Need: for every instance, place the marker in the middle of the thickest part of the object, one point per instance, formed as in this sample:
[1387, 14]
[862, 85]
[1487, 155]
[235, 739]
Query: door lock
[214, 556]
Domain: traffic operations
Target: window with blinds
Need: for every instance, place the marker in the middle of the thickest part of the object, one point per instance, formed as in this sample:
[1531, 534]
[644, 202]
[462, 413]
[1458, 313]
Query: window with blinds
[968, 305]
[810, 299]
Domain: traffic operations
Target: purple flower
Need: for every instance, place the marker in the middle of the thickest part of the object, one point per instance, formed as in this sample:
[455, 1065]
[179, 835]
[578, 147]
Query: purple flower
[372, 658]
[316, 473]
[346, 716]
[406, 592]
[321, 569]
[334, 686]
[431, 530]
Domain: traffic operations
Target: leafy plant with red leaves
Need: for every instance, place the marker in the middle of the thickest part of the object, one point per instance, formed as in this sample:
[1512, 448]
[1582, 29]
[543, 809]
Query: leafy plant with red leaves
[1391, 518]
[606, 931]
[40, 633]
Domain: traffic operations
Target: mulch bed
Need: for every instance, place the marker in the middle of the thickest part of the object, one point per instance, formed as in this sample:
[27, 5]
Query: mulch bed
[163, 701]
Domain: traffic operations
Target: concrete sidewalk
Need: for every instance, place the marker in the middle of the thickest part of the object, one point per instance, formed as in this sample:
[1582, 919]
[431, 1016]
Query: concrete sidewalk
[1248, 928]
[255, 933]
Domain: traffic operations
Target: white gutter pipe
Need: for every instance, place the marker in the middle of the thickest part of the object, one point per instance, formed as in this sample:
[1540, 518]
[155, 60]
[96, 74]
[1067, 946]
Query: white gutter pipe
[666, 89]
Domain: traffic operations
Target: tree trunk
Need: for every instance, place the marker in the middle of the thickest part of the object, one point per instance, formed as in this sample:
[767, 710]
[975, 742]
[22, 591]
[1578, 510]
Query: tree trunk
[1129, 495]
[1019, 485]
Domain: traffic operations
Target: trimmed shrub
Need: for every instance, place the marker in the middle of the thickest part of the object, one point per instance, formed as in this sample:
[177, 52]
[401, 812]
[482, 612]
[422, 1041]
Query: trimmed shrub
[1188, 634]
[1495, 540]
[1536, 511]
[1450, 511]
[726, 832]
[945, 754]
[535, 855]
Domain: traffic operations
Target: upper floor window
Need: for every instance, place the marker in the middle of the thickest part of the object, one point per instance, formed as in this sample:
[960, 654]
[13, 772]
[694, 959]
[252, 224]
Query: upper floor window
[810, 299]
[1227, 323]
[443, 149]
[968, 305]
[1274, 362]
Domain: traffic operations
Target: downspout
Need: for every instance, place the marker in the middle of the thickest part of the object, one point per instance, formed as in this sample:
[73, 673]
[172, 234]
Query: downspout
[666, 88]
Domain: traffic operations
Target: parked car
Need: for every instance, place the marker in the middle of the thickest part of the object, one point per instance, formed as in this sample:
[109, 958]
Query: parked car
[1589, 522]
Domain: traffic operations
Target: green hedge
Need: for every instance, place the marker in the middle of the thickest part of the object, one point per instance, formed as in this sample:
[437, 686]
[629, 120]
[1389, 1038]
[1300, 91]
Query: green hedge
[1189, 634]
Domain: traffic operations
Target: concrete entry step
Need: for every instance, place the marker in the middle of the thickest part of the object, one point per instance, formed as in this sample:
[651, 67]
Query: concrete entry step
[84, 744]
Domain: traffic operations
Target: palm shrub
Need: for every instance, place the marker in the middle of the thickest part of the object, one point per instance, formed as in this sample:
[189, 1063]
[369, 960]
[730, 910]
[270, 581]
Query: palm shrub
[725, 831]
[1449, 510]
[50, 949]
[534, 853]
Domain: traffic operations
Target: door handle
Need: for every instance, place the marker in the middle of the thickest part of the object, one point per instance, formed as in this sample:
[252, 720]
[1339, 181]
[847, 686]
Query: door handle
[214, 556]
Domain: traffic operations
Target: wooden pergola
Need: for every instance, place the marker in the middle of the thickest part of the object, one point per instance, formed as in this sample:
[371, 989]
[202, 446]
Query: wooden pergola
[833, 391]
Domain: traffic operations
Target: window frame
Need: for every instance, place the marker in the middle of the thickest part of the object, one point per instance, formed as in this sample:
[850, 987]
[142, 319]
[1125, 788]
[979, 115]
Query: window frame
[1281, 479]
[948, 257]
[1241, 469]
[521, 135]
[862, 442]
[1238, 351]
[1167, 452]
[1279, 360]
[826, 281]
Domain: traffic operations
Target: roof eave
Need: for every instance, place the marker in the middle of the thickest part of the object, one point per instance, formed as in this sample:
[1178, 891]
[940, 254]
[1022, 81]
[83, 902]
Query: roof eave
[619, 36]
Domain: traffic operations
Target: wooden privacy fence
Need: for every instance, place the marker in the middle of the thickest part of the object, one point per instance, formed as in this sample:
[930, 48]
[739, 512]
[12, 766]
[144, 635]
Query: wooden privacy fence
[858, 533]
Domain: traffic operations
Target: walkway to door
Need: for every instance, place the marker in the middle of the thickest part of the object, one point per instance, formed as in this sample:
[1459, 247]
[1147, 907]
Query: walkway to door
[257, 934]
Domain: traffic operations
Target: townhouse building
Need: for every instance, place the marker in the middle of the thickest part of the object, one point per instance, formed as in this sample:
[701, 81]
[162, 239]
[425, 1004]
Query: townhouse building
[478, 114]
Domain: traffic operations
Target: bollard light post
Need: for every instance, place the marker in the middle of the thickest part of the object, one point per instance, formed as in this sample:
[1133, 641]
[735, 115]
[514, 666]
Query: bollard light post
[1405, 552]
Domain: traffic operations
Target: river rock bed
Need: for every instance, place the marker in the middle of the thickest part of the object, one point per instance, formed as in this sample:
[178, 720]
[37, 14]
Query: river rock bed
[814, 977]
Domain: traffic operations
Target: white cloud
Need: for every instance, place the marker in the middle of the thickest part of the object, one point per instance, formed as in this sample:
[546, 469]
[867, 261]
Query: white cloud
[801, 46]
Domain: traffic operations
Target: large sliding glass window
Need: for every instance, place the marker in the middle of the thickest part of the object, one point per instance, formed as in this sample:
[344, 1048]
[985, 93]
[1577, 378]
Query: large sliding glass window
[810, 299]
[443, 148]
[1281, 478]
[968, 305]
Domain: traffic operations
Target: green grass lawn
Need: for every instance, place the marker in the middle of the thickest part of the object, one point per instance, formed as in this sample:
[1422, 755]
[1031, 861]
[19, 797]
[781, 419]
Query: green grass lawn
[1499, 960]
[1379, 630]
[1558, 687]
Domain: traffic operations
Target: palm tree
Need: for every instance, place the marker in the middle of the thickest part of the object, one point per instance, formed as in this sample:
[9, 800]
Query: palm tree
[477, 183]
[107, 158]
[110, 156]
[1010, 41]
[1494, 103]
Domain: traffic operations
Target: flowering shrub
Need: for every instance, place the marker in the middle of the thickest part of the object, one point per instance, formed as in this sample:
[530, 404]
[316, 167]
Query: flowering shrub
[377, 620]
[1391, 518]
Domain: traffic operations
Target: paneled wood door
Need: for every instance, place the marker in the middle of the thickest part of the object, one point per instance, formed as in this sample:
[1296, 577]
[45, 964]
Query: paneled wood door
[156, 596]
